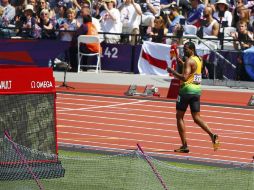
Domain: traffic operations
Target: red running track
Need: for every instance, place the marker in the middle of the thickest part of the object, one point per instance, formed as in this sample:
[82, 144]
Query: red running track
[119, 123]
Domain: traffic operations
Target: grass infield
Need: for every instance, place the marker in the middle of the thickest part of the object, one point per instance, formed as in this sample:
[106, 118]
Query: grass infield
[92, 171]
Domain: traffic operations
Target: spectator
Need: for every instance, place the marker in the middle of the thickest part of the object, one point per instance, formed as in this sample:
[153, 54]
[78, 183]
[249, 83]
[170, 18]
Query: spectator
[86, 10]
[34, 3]
[252, 19]
[173, 18]
[165, 4]
[110, 21]
[61, 14]
[97, 8]
[239, 5]
[211, 27]
[159, 31]
[210, 3]
[130, 13]
[8, 12]
[243, 39]
[69, 24]
[222, 14]
[46, 25]
[1, 14]
[196, 13]
[28, 23]
[244, 14]
[150, 9]
[43, 4]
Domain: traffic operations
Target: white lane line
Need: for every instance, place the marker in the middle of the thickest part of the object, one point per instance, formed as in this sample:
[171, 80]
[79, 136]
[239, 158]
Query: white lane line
[156, 151]
[142, 121]
[91, 100]
[154, 135]
[154, 142]
[97, 98]
[107, 106]
[223, 131]
[151, 116]
[166, 107]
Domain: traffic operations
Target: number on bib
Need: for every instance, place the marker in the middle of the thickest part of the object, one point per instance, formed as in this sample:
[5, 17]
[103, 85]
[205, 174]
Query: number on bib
[197, 79]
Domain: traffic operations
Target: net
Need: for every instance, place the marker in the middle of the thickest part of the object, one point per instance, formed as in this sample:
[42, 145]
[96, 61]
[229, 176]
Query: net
[30, 120]
[18, 162]
[131, 171]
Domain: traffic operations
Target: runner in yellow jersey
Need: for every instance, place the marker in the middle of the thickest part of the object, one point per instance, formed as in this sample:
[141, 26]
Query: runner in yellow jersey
[189, 94]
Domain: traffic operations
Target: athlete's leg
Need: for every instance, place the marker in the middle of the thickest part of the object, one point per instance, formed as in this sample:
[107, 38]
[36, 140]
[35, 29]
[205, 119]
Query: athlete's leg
[195, 112]
[181, 126]
[199, 121]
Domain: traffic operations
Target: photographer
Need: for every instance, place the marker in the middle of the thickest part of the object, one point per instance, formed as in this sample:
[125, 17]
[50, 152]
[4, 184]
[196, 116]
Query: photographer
[173, 18]
[166, 4]
[110, 21]
[97, 8]
[130, 17]
[150, 9]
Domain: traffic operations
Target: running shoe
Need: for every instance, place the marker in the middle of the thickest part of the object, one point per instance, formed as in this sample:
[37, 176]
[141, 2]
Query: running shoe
[216, 143]
[182, 149]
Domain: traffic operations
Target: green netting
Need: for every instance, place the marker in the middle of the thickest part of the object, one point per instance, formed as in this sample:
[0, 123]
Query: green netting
[22, 167]
[132, 172]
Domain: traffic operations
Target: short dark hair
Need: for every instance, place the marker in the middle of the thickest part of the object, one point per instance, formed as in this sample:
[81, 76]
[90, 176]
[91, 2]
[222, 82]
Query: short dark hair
[87, 18]
[191, 45]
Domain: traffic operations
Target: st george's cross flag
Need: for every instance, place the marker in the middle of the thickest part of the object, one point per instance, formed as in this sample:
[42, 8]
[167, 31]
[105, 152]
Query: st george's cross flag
[154, 59]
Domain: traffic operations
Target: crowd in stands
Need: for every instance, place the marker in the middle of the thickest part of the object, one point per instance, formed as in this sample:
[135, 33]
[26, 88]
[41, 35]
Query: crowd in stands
[152, 19]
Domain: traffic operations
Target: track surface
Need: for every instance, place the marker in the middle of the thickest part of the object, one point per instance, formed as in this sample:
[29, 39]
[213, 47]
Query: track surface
[119, 123]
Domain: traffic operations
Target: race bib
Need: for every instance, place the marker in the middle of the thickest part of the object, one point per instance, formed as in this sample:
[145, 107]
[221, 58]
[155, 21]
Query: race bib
[197, 79]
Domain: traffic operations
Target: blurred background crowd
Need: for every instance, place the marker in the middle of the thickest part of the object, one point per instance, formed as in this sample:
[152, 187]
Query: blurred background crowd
[153, 19]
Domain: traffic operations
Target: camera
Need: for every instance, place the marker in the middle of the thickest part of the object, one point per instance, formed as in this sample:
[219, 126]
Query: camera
[203, 22]
[166, 12]
[182, 21]
[221, 14]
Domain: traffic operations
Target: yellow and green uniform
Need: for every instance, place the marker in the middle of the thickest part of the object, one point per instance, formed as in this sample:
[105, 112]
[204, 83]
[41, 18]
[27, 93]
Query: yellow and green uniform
[193, 84]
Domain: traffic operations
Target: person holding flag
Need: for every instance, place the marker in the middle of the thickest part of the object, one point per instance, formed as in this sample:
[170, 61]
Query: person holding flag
[189, 95]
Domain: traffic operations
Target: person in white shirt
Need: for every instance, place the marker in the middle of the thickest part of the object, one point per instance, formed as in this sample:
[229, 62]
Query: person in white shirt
[69, 24]
[222, 14]
[110, 21]
[8, 12]
[130, 17]
[212, 26]
[150, 10]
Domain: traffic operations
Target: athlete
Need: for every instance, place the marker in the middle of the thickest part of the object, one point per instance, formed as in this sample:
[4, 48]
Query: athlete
[189, 94]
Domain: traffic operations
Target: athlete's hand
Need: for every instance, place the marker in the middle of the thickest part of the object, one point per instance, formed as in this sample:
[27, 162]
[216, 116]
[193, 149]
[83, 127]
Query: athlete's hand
[169, 69]
[179, 60]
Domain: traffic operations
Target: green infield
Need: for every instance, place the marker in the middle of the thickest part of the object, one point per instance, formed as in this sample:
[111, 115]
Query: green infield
[93, 171]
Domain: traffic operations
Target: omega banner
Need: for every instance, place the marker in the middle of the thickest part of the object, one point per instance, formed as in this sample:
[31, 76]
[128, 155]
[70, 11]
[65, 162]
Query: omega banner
[26, 80]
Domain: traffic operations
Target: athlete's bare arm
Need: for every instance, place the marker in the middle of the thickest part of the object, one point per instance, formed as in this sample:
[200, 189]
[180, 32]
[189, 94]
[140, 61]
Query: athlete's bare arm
[189, 67]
